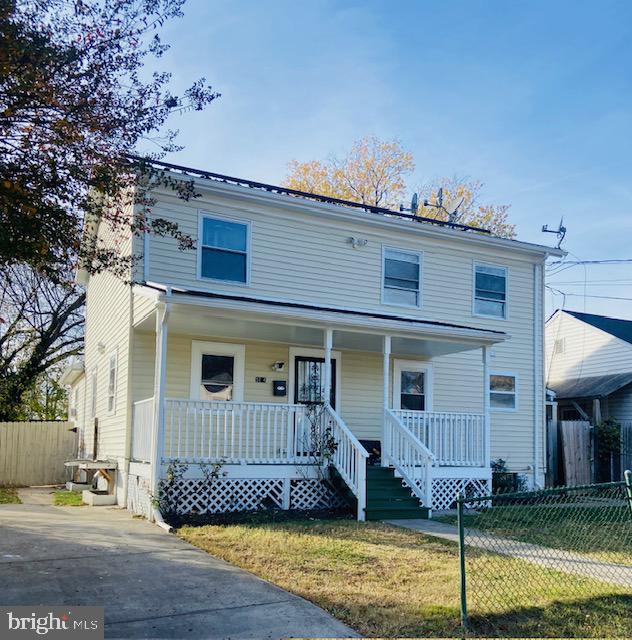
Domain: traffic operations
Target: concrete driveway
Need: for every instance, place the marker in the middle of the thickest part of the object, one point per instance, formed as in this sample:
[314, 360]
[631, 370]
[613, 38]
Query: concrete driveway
[152, 584]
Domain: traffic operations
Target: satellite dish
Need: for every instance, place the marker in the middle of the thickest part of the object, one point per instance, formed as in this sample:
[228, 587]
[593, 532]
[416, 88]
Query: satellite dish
[452, 205]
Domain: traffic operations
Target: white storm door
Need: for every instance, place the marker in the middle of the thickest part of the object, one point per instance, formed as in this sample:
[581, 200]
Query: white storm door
[412, 385]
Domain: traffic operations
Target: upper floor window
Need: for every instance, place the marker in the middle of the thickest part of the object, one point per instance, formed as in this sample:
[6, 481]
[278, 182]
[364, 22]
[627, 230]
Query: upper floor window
[224, 249]
[401, 277]
[490, 291]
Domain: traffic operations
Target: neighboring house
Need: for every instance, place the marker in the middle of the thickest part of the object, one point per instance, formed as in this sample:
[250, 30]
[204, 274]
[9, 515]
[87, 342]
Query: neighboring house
[424, 340]
[589, 366]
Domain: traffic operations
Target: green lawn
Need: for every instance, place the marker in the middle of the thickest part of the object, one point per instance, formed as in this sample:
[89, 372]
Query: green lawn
[9, 495]
[389, 582]
[65, 498]
[603, 531]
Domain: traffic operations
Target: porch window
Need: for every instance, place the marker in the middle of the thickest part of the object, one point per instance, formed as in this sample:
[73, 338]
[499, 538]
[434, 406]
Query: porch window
[413, 391]
[218, 380]
[490, 291]
[224, 249]
[401, 277]
[502, 392]
[112, 383]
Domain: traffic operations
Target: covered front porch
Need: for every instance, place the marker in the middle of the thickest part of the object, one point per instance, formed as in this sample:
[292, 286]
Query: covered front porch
[277, 398]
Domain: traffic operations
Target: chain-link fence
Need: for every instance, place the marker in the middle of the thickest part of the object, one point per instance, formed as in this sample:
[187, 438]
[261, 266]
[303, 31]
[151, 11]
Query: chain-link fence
[523, 553]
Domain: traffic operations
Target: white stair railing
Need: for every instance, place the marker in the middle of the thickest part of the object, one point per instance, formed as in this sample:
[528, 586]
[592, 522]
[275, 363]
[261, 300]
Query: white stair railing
[410, 457]
[456, 439]
[349, 457]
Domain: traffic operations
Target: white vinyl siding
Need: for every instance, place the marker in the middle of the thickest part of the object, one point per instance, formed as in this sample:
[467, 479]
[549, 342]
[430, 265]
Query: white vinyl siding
[108, 327]
[306, 259]
[588, 351]
[401, 277]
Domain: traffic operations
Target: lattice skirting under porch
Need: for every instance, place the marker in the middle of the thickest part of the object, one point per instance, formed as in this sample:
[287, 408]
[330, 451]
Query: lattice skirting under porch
[226, 495]
[446, 490]
[138, 495]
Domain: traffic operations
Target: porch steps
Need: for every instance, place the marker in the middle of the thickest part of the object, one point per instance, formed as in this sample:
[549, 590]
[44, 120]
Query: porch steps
[388, 499]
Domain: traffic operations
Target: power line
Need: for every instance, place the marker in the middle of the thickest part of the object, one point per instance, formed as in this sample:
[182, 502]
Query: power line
[583, 295]
[574, 262]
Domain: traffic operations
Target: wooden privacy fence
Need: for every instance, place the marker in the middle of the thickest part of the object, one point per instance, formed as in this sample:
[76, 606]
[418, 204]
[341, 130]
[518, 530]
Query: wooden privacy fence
[33, 453]
[576, 451]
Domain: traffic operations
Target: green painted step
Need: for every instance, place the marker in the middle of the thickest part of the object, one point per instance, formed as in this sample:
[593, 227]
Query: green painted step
[385, 485]
[380, 503]
[388, 499]
[374, 470]
[394, 513]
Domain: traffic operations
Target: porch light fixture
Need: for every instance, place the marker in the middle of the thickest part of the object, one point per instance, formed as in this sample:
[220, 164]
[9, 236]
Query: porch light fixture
[279, 365]
[101, 347]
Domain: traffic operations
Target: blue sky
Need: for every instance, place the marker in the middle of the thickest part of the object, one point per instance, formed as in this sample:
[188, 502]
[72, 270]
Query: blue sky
[533, 98]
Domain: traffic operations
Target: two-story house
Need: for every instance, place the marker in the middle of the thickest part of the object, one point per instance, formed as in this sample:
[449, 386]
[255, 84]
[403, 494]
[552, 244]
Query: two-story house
[413, 344]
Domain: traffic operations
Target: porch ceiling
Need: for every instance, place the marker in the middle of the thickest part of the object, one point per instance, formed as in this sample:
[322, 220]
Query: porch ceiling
[202, 321]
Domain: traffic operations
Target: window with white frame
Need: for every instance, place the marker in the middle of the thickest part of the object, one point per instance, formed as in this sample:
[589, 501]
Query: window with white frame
[93, 393]
[401, 277]
[224, 249]
[490, 291]
[502, 392]
[112, 371]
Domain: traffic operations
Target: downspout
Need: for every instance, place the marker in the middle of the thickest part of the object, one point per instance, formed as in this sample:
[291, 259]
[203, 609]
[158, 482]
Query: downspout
[160, 369]
[538, 374]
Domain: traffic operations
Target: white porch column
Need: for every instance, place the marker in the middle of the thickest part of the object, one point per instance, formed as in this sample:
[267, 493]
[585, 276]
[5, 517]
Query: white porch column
[160, 375]
[487, 437]
[386, 366]
[329, 340]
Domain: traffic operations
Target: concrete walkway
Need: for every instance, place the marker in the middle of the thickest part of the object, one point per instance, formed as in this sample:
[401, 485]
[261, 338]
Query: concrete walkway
[37, 495]
[557, 559]
[152, 584]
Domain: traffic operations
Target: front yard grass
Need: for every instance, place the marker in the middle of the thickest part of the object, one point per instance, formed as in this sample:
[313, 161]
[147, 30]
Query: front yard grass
[65, 498]
[9, 495]
[602, 532]
[389, 582]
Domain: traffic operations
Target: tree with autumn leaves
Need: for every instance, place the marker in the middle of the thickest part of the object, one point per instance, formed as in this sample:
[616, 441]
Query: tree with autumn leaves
[374, 173]
[76, 103]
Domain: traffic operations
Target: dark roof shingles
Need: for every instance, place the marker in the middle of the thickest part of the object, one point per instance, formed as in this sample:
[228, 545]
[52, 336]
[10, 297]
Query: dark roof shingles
[621, 329]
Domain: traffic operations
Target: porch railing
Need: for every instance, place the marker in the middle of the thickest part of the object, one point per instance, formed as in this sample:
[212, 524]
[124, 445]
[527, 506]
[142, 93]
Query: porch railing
[234, 432]
[349, 457]
[410, 457]
[456, 439]
[142, 429]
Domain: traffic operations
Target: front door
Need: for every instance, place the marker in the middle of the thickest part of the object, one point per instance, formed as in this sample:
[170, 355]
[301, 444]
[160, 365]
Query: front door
[309, 380]
[412, 385]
